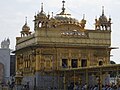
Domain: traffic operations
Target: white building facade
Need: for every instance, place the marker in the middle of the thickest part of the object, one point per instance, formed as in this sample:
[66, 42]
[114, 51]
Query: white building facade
[5, 61]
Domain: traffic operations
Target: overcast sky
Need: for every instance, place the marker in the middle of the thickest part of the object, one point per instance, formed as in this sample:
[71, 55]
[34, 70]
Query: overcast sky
[13, 13]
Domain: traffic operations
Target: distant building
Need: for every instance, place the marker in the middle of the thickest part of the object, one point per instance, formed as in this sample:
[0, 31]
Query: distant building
[7, 61]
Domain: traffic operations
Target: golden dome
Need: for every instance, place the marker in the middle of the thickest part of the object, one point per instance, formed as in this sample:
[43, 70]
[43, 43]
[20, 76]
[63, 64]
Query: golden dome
[25, 27]
[63, 16]
[42, 13]
[103, 18]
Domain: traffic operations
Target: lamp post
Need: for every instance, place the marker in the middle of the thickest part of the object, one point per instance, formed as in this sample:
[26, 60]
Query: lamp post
[18, 80]
[80, 82]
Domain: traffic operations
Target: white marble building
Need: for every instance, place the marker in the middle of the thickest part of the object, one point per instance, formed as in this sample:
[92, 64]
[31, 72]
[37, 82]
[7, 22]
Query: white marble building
[5, 60]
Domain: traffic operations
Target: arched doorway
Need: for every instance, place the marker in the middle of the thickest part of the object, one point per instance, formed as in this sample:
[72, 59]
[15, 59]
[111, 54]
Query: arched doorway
[100, 63]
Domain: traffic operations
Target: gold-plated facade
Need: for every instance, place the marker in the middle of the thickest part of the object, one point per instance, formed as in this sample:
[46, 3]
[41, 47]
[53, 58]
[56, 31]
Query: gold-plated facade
[61, 42]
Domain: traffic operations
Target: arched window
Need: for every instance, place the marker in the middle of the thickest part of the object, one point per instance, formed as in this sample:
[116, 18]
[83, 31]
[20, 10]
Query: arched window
[100, 63]
[40, 24]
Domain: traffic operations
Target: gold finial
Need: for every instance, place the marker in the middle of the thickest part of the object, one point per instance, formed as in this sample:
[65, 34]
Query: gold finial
[41, 7]
[48, 15]
[102, 10]
[52, 14]
[26, 20]
[63, 8]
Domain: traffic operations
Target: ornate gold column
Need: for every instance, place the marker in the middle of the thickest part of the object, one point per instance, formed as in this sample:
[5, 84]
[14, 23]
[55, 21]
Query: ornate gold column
[38, 52]
[69, 59]
[79, 60]
[88, 59]
[16, 62]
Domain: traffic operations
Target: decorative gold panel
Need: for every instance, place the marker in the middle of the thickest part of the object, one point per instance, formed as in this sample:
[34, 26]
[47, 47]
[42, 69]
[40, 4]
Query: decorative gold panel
[48, 61]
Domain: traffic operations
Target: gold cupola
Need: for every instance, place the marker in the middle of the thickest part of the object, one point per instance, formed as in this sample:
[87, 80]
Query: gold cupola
[40, 19]
[103, 18]
[25, 29]
[41, 14]
[103, 23]
[65, 17]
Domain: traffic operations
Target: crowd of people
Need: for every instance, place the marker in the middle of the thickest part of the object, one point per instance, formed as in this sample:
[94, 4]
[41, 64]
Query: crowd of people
[73, 86]
[97, 87]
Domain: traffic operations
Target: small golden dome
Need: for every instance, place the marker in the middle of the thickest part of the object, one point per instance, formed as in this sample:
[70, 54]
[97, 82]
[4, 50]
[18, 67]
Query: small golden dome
[25, 27]
[64, 16]
[42, 13]
[103, 18]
